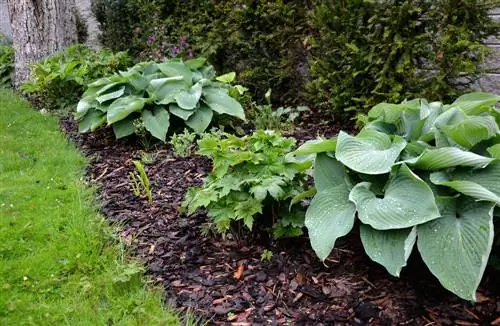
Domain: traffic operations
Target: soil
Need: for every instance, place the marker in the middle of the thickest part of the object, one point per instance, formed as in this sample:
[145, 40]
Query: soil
[225, 282]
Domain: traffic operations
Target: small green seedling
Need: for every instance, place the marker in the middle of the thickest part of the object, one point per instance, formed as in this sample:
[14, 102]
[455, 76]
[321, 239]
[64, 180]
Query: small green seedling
[266, 255]
[139, 182]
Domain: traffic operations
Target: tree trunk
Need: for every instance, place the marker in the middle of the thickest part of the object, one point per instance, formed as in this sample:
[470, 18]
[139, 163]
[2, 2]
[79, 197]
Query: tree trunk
[39, 28]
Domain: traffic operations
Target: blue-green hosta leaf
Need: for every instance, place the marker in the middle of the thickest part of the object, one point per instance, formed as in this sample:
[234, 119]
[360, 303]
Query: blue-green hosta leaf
[407, 201]
[164, 90]
[105, 88]
[188, 99]
[389, 248]
[370, 152]
[92, 120]
[122, 107]
[181, 113]
[471, 130]
[466, 187]
[494, 151]
[456, 246]
[389, 113]
[195, 63]
[227, 78]
[173, 69]
[201, 119]
[475, 103]
[447, 157]
[330, 214]
[157, 122]
[329, 173]
[219, 101]
[124, 128]
[111, 96]
[317, 146]
[83, 106]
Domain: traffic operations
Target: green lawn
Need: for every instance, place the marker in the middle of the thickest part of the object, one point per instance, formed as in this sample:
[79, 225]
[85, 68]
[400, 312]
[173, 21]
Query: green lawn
[59, 262]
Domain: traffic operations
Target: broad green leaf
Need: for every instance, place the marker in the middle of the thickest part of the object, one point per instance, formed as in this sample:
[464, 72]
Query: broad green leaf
[181, 113]
[330, 214]
[329, 173]
[390, 248]
[122, 107]
[494, 151]
[195, 63]
[473, 103]
[466, 187]
[164, 90]
[106, 87]
[83, 107]
[173, 69]
[219, 101]
[157, 122]
[471, 130]
[188, 99]
[91, 121]
[370, 152]
[124, 128]
[447, 157]
[201, 119]
[317, 146]
[407, 201]
[111, 96]
[456, 246]
[227, 78]
[389, 113]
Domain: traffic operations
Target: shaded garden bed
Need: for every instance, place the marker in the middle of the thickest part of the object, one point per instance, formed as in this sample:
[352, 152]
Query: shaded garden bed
[225, 281]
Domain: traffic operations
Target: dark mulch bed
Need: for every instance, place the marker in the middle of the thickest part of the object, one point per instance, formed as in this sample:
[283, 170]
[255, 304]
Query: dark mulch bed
[293, 288]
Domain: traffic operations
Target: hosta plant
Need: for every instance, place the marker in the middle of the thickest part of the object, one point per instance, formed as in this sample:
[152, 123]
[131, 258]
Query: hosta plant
[253, 181]
[420, 176]
[149, 94]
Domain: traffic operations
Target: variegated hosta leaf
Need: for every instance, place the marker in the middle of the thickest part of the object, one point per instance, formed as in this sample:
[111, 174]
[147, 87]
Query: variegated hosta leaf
[456, 246]
[481, 184]
[370, 152]
[407, 201]
[389, 248]
[157, 122]
[219, 101]
[447, 157]
[330, 214]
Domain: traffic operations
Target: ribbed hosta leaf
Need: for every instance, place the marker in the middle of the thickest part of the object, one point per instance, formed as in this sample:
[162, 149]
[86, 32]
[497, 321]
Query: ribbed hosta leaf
[188, 99]
[494, 151]
[164, 90]
[181, 113]
[122, 107]
[157, 122]
[471, 130]
[201, 119]
[173, 69]
[124, 128]
[317, 146]
[456, 246]
[91, 121]
[111, 96]
[389, 248]
[330, 214]
[219, 101]
[447, 157]
[370, 152]
[473, 103]
[407, 201]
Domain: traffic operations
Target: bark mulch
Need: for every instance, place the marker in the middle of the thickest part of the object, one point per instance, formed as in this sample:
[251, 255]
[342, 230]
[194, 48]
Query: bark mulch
[224, 280]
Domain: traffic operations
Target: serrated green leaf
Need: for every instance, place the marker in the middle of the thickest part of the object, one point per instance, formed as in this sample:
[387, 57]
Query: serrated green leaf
[370, 152]
[389, 248]
[219, 101]
[201, 119]
[157, 122]
[456, 246]
[407, 201]
[122, 107]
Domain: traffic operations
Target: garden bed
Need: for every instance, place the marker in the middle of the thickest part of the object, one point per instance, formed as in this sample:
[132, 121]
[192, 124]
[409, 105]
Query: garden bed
[225, 280]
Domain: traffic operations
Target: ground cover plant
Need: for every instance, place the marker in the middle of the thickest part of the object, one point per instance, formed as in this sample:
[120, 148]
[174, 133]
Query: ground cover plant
[252, 181]
[418, 173]
[153, 97]
[58, 81]
[59, 261]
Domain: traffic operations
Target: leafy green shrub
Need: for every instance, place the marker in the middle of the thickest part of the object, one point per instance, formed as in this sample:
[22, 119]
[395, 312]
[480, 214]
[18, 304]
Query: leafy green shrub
[6, 65]
[252, 178]
[59, 81]
[418, 173]
[146, 96]
[182, 143]
[365, 52]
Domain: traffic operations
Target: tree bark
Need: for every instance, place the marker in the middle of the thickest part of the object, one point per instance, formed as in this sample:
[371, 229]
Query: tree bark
[39, 28]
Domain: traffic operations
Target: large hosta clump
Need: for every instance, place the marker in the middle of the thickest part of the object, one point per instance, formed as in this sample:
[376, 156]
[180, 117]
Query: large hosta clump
[418, 174]
[149, 93]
